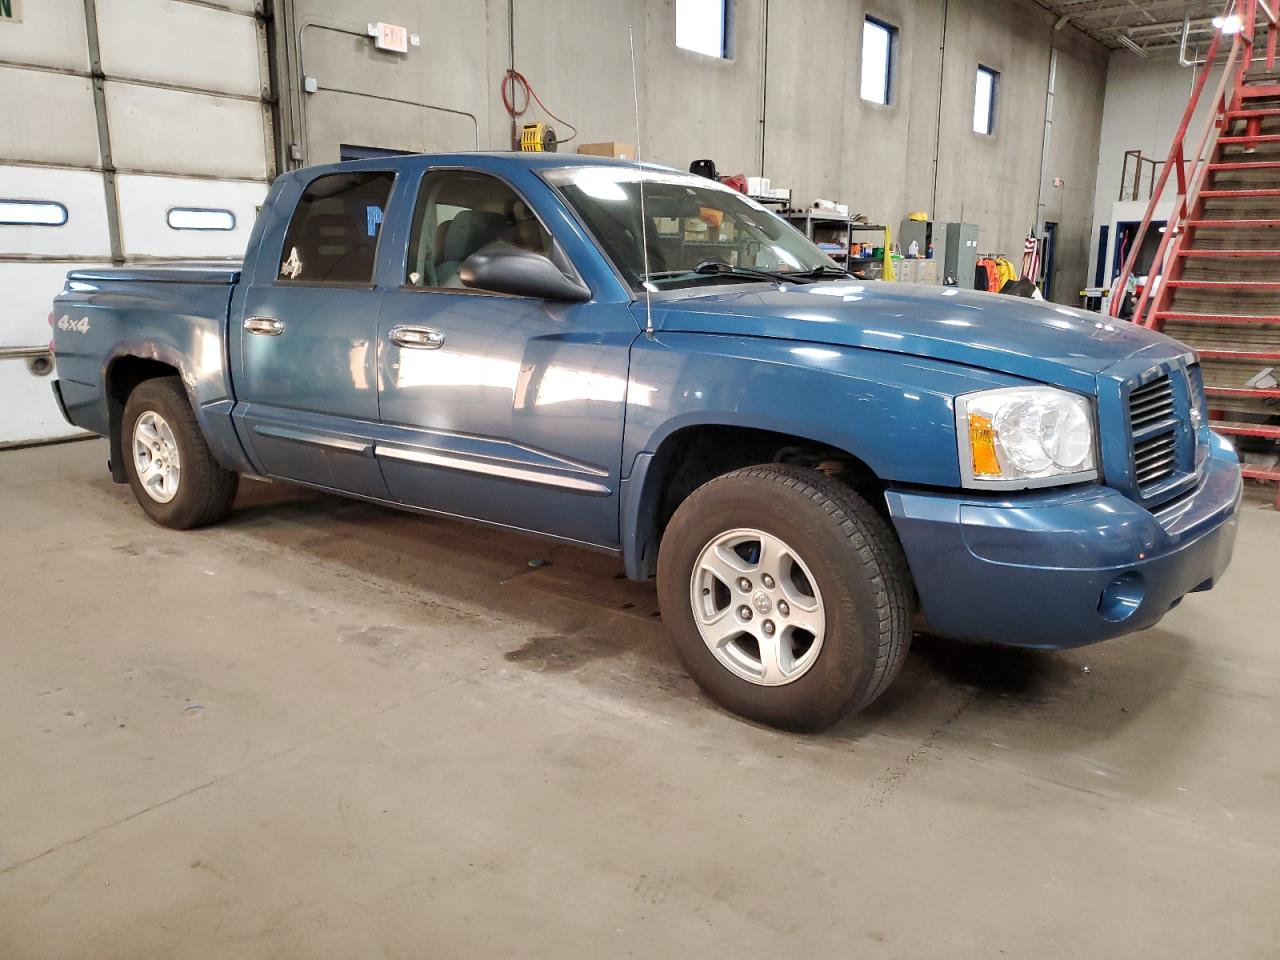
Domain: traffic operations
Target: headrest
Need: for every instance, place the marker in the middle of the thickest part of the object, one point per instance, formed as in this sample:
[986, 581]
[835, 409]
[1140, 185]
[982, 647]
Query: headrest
[470, 230]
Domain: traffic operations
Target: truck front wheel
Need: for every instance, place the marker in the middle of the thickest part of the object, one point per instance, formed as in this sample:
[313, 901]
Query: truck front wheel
[174, 477]
[787, 595]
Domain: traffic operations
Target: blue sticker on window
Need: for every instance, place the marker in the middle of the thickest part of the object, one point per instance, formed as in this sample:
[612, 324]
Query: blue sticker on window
[374, 217]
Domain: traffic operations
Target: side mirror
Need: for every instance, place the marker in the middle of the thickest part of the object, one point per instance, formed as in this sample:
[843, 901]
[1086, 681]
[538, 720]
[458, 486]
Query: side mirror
[506, 268]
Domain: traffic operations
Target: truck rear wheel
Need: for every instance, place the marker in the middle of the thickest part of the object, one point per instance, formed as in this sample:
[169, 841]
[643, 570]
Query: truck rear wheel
[174, 477]
[787, 596]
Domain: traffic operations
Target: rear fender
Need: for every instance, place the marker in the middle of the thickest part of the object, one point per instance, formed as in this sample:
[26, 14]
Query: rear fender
[213, 414]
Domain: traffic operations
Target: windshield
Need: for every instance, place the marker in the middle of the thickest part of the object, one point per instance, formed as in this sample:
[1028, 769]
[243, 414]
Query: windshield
[699, 232]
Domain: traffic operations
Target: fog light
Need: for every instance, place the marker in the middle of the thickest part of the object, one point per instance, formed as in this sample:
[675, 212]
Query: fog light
[1122, 597]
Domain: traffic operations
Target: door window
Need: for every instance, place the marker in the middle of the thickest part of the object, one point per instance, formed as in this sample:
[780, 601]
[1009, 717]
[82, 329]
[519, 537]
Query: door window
[460, 212]
[333, 236]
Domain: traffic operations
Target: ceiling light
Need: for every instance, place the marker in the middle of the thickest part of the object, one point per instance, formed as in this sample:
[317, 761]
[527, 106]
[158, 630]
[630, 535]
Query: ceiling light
[1229, 25]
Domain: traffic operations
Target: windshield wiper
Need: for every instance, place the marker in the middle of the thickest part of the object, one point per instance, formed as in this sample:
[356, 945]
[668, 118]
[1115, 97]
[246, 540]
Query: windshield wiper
[718, 268]
[822, 270]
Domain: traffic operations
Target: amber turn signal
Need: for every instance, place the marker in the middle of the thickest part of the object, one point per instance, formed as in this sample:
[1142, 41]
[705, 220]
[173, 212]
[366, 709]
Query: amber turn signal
[982, 444]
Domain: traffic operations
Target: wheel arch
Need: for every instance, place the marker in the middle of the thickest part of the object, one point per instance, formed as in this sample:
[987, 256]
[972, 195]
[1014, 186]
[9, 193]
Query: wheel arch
[689, 454]
[123, 373]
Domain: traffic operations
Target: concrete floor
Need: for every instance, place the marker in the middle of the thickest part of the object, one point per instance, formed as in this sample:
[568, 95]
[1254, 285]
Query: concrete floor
[325, 730]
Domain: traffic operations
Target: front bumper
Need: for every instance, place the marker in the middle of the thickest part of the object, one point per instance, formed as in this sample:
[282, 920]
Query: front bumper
[1065, 568]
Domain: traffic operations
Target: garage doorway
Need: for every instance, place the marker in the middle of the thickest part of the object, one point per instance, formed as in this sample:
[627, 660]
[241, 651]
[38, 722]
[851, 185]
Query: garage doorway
[163, 150]
[349, 151]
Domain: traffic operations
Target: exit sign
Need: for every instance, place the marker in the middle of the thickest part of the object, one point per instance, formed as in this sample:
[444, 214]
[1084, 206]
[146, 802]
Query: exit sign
[11, 10]
[392, 37]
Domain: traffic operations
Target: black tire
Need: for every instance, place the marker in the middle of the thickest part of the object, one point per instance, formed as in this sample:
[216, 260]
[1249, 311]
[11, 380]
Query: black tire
[205, 490]
[859, 569]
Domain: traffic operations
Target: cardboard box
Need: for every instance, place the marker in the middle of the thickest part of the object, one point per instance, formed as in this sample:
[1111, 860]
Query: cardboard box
[623, 151]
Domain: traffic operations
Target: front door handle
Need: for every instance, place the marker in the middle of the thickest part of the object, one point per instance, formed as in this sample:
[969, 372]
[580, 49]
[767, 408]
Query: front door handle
[264, 326]
[417, 338]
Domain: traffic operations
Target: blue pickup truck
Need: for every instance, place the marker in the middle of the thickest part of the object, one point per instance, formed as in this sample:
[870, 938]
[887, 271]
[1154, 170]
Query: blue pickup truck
[649, 364]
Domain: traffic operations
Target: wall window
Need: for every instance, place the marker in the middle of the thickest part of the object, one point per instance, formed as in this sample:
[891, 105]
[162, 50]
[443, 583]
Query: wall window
[877, 59]
[703, 26]
[460, 212]
[200, 218]
[984, 100]
[333, 236]
[32, 213]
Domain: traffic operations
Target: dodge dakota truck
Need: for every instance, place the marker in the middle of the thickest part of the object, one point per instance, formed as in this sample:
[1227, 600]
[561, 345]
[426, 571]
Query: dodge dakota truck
[646, 363]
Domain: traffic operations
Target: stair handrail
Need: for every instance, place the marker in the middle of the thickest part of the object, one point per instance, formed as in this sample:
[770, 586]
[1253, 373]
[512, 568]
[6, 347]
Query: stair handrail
[1188, 191]
[1176, 160]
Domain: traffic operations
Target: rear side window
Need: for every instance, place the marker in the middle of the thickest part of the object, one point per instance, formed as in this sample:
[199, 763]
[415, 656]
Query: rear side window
[333, 236]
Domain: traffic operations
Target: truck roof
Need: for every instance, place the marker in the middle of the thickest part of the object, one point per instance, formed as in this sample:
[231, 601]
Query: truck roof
[490, 158]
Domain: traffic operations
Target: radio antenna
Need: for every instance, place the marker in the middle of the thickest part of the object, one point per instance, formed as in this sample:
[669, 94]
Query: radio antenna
[644, 219]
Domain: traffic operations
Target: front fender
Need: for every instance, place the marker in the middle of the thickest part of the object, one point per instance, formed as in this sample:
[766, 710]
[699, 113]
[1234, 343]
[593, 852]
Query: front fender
[893, 413]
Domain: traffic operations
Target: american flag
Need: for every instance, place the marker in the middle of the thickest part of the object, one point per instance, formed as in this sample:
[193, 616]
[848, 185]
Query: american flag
[1031, 259]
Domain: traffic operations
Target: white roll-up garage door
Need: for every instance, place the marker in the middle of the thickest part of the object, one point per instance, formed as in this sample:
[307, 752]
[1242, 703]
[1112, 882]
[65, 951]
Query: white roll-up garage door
[132, 130]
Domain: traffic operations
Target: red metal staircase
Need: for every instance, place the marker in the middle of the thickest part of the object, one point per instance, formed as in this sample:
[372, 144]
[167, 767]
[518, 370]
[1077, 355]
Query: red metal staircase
[1215, 280]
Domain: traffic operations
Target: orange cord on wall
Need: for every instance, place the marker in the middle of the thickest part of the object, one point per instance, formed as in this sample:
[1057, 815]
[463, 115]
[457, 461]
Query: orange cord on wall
[513, 85]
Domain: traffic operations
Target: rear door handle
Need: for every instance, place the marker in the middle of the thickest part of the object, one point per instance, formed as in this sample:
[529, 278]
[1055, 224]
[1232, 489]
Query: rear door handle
[264, 326]
[417, 338]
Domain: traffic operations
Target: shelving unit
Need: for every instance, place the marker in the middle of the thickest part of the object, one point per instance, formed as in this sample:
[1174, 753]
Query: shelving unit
[833, 233]
[870, 261]
[825, 229]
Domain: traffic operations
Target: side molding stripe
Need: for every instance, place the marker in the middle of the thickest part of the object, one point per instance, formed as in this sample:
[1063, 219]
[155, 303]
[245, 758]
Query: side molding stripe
[363, 448]
[493, 469]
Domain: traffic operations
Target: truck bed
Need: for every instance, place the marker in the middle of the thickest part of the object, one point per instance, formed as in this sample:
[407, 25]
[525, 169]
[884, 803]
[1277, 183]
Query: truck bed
[115, 325]
[224, 272]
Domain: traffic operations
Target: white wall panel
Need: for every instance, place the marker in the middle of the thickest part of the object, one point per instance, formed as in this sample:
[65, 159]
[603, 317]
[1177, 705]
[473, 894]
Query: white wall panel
[180, 43]
[47, 118]
[146, 201]
[27, 407]
[169, 131]
[80, 191]
[29, 289]
[51, 33]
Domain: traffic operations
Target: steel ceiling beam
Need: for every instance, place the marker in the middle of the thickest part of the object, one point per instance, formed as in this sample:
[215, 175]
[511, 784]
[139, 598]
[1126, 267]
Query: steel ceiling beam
[1143, 22]
[1103, 8]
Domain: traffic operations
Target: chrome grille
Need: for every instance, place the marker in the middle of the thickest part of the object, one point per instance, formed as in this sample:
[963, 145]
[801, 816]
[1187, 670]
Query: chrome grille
[1154, 431]
[1158, 460]
[1150, 404]
[1154, 459]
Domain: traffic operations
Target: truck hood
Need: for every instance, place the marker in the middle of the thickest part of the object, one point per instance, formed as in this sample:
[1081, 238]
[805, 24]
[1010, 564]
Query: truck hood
[1040, 341]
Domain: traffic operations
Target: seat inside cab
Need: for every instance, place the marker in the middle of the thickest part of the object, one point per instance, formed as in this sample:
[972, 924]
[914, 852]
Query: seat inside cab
[460, 212]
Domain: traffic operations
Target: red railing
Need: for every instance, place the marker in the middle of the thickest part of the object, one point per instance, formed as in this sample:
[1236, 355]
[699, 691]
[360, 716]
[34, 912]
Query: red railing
[1191, 170]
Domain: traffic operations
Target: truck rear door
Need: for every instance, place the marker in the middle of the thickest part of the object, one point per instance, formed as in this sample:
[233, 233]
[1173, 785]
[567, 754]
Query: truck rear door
[304, 328]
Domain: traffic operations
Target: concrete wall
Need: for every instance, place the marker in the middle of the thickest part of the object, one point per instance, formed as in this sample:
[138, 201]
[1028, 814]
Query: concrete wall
[1144, 105]
[1079, 87]
[786, 104]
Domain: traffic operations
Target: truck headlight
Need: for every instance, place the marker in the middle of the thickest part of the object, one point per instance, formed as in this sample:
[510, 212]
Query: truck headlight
[1025, 437]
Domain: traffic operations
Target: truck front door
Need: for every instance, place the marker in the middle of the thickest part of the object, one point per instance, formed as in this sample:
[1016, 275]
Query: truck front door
[502, 408]
[305, 327]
